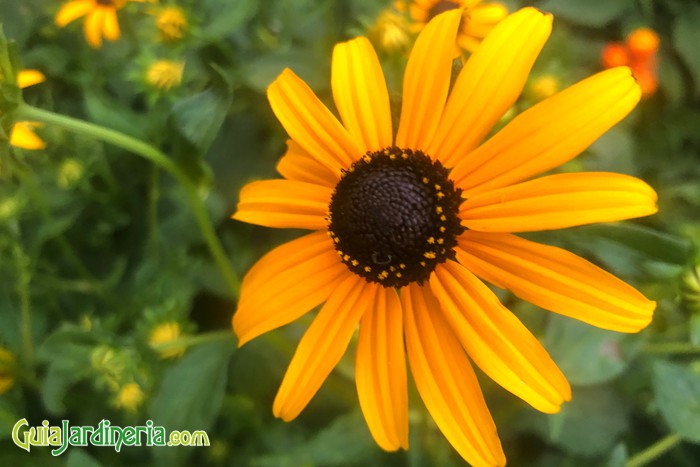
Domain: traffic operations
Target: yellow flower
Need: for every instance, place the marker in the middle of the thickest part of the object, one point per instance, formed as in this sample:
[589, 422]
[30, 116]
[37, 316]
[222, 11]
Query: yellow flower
[130, 397]
[22, 134]
[544, 86]
[164, 333]
[390, 31]
[477, 18]
[171, 23]
[165, 74]
[7, 364]
[100, 18]
[406, 227]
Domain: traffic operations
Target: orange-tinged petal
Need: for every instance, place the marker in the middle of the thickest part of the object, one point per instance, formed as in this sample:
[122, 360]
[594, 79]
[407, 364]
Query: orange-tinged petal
[300, 166]
[490, 83]
[310, 123]
[550, 133]
[446, 382]
[360, 94]
[483, 17]
[93, 28]
[285, 204]
[111, 25]
[556, 280]
[322, 346]
[380, 371]
[73, 10]
[496, 340]
[286, 283]
[26, 78]
[559, 201]
[23, 136]
[427, 81]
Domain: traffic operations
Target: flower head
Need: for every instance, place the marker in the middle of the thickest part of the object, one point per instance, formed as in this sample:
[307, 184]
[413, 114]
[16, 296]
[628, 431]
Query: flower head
[7, 368]
[164, 333]
[390, 32]
[171, 23]
[406, 227]
[23, 134]
[100, 18]
[130, 397]
[165, 74]
[639, 52]
[477, 18]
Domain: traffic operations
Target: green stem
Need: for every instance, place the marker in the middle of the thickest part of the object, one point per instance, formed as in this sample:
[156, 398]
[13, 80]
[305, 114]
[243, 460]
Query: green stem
[148, 152]
[654, 451]
[672, 348]
[23, 280]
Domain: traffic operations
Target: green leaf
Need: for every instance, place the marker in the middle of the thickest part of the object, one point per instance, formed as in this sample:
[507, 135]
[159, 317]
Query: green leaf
[113, 115]
[224, 17]
[686, 37]
[677, 391]
[199, 117]
[9, 415]
[695, 329]
[79, 458]
[595, 13]
[587, 355]
[618, 457]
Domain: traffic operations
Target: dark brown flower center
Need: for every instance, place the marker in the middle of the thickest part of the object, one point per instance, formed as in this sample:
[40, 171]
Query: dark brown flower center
[441, 7]
[105, 2]
[394, 216]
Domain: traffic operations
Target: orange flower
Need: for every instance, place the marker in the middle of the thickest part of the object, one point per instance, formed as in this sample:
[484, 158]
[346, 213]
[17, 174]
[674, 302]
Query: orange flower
[100, 18]
[406, 227]
[639, 52]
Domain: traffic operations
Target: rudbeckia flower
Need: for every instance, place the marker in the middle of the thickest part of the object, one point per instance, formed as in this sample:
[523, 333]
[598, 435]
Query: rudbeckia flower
[406, 227]
[22, 134]
[100, 18]
[477, 18]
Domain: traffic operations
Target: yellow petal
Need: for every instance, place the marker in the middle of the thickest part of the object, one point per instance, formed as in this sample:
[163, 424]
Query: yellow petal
[323, 345]
[552, 132]
[300, 166]
[360, 94]
[23, 136]
[310, 123]
[446, 382]
[483, 17]
[286, 283]
[427, 81]
[73, 10]
[26, 78]
[380, 371]
[497, 341]
[111, 25]
[490, 83]
[555, 280]
[285, 204]
[559, 201]
[93, 28]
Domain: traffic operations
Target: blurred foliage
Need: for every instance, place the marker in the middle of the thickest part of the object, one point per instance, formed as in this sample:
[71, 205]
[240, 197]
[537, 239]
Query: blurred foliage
[99, 247]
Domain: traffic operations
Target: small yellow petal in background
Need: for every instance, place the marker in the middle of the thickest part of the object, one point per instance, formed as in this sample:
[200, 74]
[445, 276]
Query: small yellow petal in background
[284, 204]
[111, 25]
[482, 18]
[555, 280]
[73, 10]
[93, 28]
[446, 382]
[299, 165]
[427, 81]
[309, 122]
[380, 371]
[23, 136]
[360, 94]
[496, 340]
[552, 132]
[26, 78]
[272, 293]
[322, 346]
[490, 83]
[559, 201]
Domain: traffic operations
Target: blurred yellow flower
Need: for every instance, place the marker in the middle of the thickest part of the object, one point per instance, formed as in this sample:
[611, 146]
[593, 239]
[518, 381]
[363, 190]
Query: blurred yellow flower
[391, 31]
[171, 23]
[7, 363]
[69, 173]
[544, 86]
[164, 333]
[22, 134]
[165, 74]
[477, 19]
[100, 18]
[130, 397]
